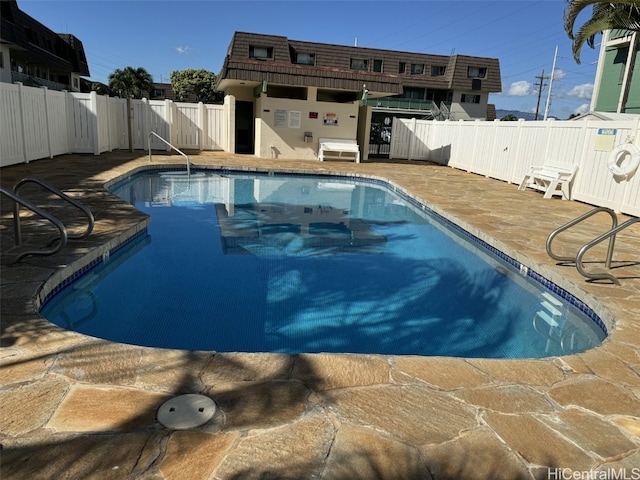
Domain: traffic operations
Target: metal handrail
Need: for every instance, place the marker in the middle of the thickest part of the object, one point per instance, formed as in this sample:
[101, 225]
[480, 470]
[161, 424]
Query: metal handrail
[59, 193]
[552, 235]
[610, 234]
[176, 149]
[43, 214]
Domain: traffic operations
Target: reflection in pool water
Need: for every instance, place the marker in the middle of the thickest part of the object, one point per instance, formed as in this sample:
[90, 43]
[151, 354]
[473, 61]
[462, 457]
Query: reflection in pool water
[275, 263]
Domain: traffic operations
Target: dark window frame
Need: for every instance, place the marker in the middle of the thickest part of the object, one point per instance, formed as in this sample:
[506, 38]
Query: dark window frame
[470, 98]
[364, 65]
[311, 57]
[482, 72]
[253, 49]
[417, 69]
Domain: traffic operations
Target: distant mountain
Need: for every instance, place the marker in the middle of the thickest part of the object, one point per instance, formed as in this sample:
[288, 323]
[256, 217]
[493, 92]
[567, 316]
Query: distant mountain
[519, 114]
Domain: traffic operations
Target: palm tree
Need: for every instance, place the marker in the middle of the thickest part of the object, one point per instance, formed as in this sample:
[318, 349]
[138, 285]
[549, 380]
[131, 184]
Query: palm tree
[131, 82]
[621, 14]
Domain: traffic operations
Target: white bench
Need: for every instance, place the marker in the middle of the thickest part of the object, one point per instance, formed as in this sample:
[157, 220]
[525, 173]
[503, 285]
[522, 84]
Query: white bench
[337, 148]
[551, 178]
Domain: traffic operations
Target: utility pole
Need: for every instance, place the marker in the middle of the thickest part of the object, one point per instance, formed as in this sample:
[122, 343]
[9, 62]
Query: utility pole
[553, 72]
[540, 87]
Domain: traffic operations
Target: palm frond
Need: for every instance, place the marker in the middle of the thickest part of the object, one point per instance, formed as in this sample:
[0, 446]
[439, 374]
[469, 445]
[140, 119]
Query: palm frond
[621, 14]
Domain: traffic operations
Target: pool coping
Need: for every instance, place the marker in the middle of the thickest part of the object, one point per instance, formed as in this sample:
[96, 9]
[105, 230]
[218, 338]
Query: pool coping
[580, 412]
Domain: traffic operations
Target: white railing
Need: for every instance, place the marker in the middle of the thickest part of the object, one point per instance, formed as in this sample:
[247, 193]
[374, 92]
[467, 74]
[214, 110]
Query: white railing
[154, 134]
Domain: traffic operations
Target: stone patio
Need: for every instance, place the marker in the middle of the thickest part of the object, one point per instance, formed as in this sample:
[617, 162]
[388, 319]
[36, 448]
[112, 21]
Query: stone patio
[75, 407]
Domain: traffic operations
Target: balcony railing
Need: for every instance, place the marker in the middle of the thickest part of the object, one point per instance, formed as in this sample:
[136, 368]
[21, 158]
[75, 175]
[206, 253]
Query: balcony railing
[403, 103]
[32, 81]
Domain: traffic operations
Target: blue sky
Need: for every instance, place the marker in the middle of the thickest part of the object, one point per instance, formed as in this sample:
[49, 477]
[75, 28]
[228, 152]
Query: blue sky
[166, 35]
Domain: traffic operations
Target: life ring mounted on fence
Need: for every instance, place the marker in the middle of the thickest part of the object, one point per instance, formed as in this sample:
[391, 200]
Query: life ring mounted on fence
[618, 166]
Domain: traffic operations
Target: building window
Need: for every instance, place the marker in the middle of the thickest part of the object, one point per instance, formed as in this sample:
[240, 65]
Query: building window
[468, 98]
[417, 68]
[1, 59]
[476, 72]
[76, 83]
[438, 71]
[260, 52]
[305, 58]
[158, 92]
[359, 64]
[414, 93]
[402, 67]
[377, 65]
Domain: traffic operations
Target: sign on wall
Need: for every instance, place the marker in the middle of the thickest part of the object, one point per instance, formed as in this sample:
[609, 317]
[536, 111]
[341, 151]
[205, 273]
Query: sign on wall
[605, 139]
[330, 119]
[295, 119]
[280, 118]
[285, 118]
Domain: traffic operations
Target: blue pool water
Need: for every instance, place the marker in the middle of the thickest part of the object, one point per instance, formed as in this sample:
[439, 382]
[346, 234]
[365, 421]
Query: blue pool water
[276, 263]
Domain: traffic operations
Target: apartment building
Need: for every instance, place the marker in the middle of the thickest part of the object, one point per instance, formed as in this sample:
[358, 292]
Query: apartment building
[288, 93]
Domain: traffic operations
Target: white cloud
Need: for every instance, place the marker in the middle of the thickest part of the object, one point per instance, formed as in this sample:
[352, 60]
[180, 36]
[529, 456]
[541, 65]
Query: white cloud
[584, 108]
[559, 74]
[520, 89]
[183, 50]
[584, 91]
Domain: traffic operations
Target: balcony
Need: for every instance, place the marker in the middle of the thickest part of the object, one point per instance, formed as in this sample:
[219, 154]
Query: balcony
[31, 81]
[400, 103]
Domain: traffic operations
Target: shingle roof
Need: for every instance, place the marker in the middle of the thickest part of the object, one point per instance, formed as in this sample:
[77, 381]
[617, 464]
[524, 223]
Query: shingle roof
[332, 68]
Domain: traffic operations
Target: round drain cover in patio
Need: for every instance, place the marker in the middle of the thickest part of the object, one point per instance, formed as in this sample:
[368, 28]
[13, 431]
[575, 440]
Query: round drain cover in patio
[186, 411]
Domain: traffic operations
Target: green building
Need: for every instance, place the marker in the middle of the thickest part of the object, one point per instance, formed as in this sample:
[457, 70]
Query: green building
[617, 84]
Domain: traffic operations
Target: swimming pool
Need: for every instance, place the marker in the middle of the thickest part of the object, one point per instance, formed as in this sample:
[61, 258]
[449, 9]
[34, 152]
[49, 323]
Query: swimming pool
[301, 263]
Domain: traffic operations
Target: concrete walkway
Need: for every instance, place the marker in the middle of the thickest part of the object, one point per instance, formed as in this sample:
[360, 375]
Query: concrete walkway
[75, 407]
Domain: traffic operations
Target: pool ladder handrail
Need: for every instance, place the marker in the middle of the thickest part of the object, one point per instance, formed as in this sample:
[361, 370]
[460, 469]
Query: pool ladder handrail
[38, 211]
[60, 194]
[64, 235]
[610, 234]
[168, 144]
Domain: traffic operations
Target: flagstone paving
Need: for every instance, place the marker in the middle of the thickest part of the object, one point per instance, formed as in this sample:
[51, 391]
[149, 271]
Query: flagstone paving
[75, 407]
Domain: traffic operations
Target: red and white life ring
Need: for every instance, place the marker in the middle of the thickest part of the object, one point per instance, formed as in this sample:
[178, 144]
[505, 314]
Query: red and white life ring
[617, 164]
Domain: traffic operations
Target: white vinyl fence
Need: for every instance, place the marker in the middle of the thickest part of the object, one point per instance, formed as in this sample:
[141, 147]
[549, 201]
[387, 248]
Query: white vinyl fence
[507, 150]
[40, 123]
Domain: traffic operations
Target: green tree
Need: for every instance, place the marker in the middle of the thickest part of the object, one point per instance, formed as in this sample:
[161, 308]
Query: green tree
[621, 14]
[199, 82]
[100, 88]
[510, 117]
[130, 82]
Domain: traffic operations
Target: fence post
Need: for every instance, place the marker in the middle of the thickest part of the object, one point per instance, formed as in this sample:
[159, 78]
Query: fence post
[146, 113]
[202, 120]
[45, 92]
[68, 102]
[108, 120]
[411, 138]
[95, 140]
[22, 123]
[516, 160]
[130, 122]
[168, 116]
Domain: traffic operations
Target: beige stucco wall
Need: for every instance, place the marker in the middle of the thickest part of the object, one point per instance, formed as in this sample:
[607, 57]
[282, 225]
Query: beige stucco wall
[287, 141]
[469, 111]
